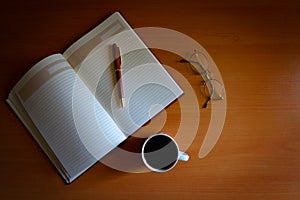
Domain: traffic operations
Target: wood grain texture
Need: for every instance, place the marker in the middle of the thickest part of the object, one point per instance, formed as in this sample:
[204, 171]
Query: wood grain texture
[255, 44]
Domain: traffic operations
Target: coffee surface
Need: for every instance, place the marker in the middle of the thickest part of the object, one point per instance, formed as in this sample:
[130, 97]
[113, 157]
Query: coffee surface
[161, 152]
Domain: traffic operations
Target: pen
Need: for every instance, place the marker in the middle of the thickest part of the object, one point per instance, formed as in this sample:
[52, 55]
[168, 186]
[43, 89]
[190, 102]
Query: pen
[117, 64]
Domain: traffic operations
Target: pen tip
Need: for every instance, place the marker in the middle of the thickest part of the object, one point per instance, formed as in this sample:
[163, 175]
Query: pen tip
[123, 102]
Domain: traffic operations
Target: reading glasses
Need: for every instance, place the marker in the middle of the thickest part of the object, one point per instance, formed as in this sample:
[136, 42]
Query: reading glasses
[212, 89]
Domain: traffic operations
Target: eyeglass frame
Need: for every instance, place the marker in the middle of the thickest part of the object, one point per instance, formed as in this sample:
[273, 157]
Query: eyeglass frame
[207, 77]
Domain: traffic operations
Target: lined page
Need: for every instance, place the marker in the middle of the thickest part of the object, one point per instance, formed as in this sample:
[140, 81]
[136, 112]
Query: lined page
[69, 118]
[148, 88]
[18, 108]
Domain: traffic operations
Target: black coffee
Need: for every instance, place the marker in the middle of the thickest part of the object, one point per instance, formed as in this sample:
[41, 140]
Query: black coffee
[160, 152]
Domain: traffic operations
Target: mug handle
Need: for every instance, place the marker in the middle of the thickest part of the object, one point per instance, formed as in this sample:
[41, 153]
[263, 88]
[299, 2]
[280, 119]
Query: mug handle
[183, 156]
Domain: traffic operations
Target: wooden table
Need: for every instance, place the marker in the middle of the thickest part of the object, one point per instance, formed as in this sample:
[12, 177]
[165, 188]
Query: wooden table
[256, 46]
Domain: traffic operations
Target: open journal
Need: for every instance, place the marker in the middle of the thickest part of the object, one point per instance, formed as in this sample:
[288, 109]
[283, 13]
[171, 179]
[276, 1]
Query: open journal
[69, 102]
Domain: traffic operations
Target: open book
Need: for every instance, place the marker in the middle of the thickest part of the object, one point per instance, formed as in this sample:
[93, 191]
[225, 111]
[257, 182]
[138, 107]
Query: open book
[70, 105]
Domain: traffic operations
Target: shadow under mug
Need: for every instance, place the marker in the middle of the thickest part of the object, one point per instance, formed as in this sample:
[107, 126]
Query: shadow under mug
[160, 153]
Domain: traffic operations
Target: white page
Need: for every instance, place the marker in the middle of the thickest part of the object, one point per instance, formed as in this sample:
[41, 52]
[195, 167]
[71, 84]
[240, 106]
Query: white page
[148, 88]
[18, 108]
[70, 119]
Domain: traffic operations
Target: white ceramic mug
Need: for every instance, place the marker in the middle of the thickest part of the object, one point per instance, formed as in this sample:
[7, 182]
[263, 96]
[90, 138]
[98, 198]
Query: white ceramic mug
[160, 153]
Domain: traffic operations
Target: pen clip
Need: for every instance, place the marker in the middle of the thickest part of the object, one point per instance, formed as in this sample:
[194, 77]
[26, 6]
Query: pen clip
[117, 57]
